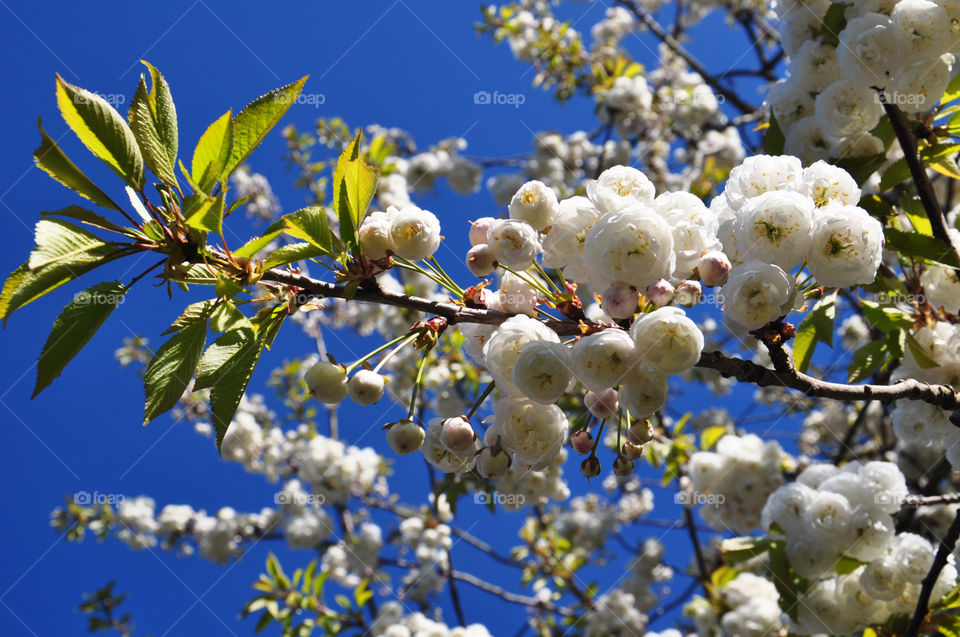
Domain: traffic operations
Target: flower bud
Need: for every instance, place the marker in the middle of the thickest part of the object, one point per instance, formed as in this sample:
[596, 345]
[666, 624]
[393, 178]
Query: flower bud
[620, 300]
[479, 230]
[688, 293]
[493, 462]
[457, 435]
[590, 467]
[640, 433]
[714, 268]
[327, 382]
[582, 441]
[366, 387]
[481, 260]
[535, 203]
[622, 467]
[405, 437]
[604, 404]
[631, 451]
[660, 293]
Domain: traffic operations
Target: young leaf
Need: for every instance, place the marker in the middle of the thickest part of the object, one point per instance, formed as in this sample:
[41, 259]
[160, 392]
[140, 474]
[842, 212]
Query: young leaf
[292, 253]
[102, 130]
[57, 240]
[256, 119]
[171, 368]
[919, 355]
[360, 185]
[146, 130]
[256, 244]
[866, 361]
[164, 112]
[215, 361]
[25, 285]
[193, 313]
[90, 218]
[817, 325]
[348, 229]
[918, 246]
[74, 328]
[309, 224]
[208, 215]
[231, 382]
[885, 318]
[212, 153]
[55, 163]
[226, 317]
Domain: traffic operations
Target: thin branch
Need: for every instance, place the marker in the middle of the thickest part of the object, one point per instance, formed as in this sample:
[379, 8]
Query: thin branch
[928, 197]
[914, 501]
[704, 577]
[941, 396]
[530, 602]
[651, 23]
[947, 544]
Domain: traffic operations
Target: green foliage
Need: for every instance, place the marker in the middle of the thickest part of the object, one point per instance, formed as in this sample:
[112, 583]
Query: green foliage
[172, 367]
[74, 328]
[153, 120]
[102, 130]
[919, 246]
[212, 154]
[257, 118]
[816, 326]
[55, 163]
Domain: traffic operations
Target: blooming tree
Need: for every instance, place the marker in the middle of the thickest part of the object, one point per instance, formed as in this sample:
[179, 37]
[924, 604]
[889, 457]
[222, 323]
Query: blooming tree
[695, 244]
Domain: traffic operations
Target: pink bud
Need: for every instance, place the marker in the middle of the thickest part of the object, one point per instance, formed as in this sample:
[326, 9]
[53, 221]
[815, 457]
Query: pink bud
[688, 293]
[590, 467]
[640, 433]
[457, 435]
[603, 405]
[479, 230]
[620, 300]
[714, 268]
[622, 467]
[582, 442]
[481, 260]
[660, 293]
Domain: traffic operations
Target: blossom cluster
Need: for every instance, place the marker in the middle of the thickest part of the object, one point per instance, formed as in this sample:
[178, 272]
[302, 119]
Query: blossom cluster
[830, 513]
[830, 104]
[734, 480]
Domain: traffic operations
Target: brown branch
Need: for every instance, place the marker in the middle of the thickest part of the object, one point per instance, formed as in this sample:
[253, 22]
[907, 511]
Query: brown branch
[651, 23]
[941, 396]
[947, 544]
[530, 602]
[928, 197]
[914, 501]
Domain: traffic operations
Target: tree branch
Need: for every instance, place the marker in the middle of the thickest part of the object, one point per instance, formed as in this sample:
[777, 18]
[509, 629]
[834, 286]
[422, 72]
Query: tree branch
[651, 23]
[947, 544]
[530, 602]
[941, 396]
[928, 197]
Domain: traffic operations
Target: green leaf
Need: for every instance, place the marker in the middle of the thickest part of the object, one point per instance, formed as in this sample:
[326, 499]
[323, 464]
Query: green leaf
[952, 92]
[886, 318]
[915, 213]
[292, 253]
[232, 378]
[816, 326]
[24, 285]
[209, 214]
[341, 200]
[919, 354]
[171, 369]
[847, 564]
[143, 123]
[57, 240]
[193, 313]
[214, 362]
[90, 218]
[866, 361]
[164, 112]
[55, 163]
[256, 244]
[212, 153]
[774, 140]
[833, 23]
[918, 246]
[932, 156]
[102, 130]
[710, 436]
[308, 224]
[74, 328]
[226, 317]
[741, 549]
[256, 119]
[360, 185]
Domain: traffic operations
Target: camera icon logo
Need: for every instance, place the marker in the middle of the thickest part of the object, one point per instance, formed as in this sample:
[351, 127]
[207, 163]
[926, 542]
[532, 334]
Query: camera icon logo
[481, 97]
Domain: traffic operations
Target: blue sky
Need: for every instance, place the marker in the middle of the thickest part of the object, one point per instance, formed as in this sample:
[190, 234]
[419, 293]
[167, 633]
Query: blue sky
[411, 64]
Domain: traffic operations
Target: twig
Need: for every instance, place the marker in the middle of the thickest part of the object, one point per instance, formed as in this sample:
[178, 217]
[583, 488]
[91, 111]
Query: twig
[947, 544]
[914, 501]
[530, 602]
[704, 578]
